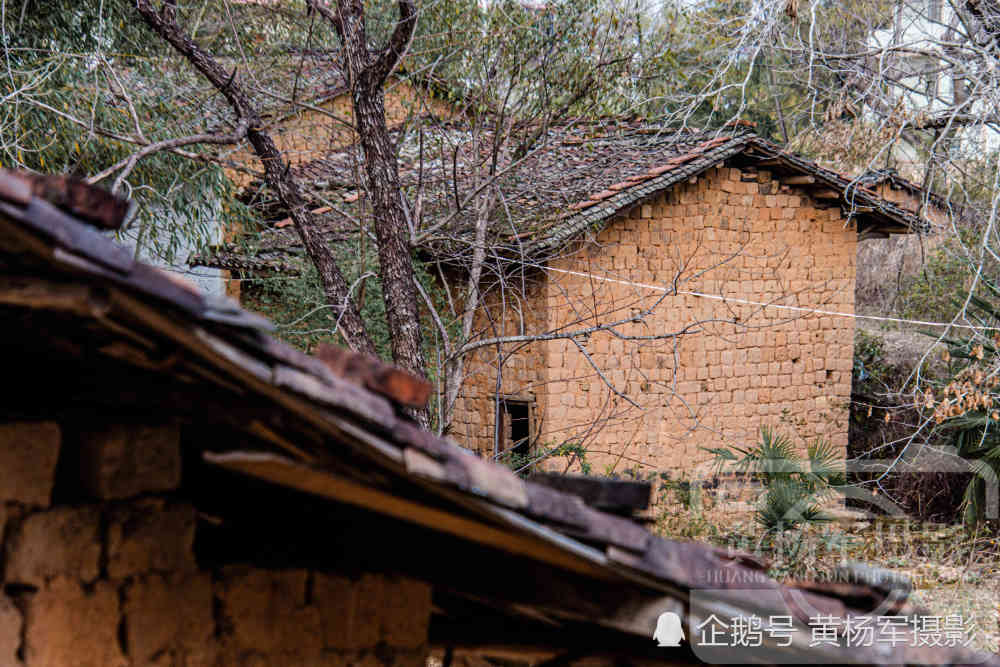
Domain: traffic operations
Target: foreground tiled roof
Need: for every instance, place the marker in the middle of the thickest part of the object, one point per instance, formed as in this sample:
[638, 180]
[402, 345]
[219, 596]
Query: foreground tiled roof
[338, 434]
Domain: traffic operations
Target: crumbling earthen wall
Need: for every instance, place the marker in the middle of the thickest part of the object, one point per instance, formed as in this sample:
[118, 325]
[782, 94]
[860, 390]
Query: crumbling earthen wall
[686, 263]
[310, 134]
[113, 581]
[914, 203]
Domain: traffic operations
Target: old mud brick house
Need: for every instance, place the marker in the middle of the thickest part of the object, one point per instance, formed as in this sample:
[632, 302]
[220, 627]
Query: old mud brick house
[321, 120]
[687, 288]
[178, 489]
[320, 123]
[722, 270]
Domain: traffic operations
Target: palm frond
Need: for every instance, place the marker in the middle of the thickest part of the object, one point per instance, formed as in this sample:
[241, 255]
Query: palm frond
[775, 455]
[987, 310]
[787, 504]
[825, 462]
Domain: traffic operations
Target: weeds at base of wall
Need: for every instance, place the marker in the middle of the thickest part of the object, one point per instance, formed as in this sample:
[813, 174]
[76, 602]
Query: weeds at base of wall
[883, 418]
[525, 464]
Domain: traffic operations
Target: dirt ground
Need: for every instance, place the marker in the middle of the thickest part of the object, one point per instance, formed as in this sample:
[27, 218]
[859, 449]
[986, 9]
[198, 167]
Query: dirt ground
[953, 572]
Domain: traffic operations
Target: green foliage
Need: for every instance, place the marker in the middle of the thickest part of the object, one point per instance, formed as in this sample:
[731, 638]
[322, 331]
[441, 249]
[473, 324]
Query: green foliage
[688, 495]
[297, 303]
[929, 294]
[518, 463]
[793, 486]
[826, 465]
[691, 522]
[577, 452]
[571, 59]
[869, 369]
[82, 77]
[523, 464]
[86, 84]
[723, 64]
[787, 504]
[948, 261]
[969, 409]
[304, 319]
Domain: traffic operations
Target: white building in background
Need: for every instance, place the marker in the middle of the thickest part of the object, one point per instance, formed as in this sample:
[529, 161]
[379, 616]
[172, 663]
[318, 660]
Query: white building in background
[210, 281]
[920, 52]
[921, 27]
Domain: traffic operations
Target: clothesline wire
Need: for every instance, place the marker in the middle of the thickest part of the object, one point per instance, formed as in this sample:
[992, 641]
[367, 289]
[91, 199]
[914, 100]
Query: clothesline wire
[748, 302]
[733, 300]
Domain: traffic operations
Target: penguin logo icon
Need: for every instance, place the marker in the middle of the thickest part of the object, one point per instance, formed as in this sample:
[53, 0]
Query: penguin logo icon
[668, 629]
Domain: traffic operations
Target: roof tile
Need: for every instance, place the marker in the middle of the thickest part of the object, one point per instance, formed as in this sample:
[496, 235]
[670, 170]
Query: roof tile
[554, 191]
[604, 194]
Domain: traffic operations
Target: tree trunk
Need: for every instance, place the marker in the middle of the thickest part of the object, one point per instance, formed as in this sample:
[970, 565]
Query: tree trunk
[391, 231]
[335, 287]
[276, 170]
[367, 72]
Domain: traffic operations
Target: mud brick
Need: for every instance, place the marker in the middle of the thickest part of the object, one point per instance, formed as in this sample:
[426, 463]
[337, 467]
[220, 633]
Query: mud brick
[124, 460]
[28, 455]
[65, 625]
[150, 536]
[63, 541]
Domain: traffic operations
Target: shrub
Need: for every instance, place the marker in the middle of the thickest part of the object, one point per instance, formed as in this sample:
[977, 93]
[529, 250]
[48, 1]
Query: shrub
[967, 408]
[525, 464]
[794, 487]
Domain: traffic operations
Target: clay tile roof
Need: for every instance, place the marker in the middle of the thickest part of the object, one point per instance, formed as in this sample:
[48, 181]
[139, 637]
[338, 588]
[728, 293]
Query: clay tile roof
[70, 215]
[876, 177]
[96, 206]
[344, 441]
[575, 179]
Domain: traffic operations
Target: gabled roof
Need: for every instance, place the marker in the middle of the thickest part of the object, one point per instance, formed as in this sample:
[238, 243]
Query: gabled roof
[662, 161]
[336, 433]
[575, 179]
[876, 177]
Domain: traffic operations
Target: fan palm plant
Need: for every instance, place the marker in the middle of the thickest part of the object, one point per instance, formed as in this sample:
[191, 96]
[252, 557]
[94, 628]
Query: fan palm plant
[795, 487]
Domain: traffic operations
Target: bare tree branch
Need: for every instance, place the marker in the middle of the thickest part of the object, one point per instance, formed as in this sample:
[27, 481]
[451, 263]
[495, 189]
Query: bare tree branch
[276, 169]
[129, 163]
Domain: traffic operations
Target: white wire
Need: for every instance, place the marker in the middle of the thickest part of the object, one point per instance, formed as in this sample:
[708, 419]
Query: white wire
[727, 299]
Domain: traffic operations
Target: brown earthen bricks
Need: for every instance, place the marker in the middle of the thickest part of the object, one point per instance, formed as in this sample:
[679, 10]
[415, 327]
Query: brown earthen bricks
[169, 617]
[28, 455]
[357, 614]
[150, 536]
[64, 541]
[123, 460]
[268, 612]
[751, 365]
[10, 631]
[66, 625]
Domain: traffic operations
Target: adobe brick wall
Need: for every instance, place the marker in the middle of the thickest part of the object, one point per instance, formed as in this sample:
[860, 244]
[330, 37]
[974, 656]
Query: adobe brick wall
[731, 233]
[524, 366]
[905, 199]
[309, 135]
[115, 583]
